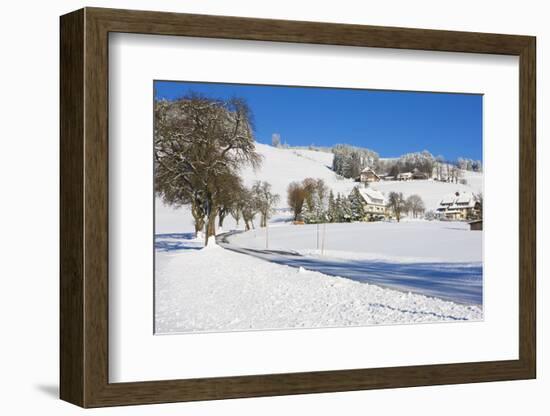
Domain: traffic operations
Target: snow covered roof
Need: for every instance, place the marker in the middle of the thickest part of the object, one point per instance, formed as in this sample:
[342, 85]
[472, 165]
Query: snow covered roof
[372, 196]
[458, 200]
[448, 199]
[464, 197]
[367, 169]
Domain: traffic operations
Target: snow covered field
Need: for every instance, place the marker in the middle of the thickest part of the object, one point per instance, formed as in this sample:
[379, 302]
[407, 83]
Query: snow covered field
[441, 259]
[408, 241]
[214, 289]
[365, 274]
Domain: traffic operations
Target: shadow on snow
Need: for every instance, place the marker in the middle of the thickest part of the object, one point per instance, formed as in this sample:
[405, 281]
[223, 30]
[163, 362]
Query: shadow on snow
[177, 241]
[457, 282]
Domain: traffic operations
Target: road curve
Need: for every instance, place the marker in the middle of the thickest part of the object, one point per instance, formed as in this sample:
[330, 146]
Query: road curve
[457, 282]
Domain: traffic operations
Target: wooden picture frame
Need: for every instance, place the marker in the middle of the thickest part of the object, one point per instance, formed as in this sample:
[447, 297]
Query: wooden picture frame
[84, 207]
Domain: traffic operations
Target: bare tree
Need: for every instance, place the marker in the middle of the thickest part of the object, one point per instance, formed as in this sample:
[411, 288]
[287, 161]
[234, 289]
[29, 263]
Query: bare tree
[230, 198]
[296, 195]
[249, 209]
[309, 185]
[415, 205]
[265, 200]
[199, 143]
[439, 161]
[397, 204]
[479, 200]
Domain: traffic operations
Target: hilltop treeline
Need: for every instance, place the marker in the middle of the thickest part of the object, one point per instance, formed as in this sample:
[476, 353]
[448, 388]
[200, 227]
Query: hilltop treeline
[349, 161]
[421, 161]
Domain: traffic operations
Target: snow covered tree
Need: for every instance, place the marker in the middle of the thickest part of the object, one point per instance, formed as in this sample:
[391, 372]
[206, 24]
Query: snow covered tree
[469, 164]
[356, 202]
[321, 190]
[345, 209]
[479, 202]
[348, 161]
[308, 200]
[276, 140]
[265, 200]
[321, 200]
[396, 204]
[415, 205]
[315, 200]
[423, 161]
[455, 174]
[439, 162]
[430, 215]
[477, 166]
[198, 143]
[338, 211]
[342, 209]
[332, 209]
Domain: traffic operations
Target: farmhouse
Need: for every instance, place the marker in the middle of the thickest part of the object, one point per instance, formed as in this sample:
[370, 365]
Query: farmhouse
[405, 176]
[368, 175]
[459, 206]
[374, 204]
[415, 174]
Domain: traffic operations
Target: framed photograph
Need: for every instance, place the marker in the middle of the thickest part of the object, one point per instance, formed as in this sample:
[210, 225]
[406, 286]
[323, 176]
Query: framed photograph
[255, 207]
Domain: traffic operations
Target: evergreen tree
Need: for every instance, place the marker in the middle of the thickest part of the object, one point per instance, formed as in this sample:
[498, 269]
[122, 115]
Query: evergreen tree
[332, 213]
[357, 208]
[338, 211]
[346, 209]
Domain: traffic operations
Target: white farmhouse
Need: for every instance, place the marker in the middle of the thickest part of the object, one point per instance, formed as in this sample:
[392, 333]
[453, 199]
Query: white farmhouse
[374, 204]
[458, 206]
[369, 175]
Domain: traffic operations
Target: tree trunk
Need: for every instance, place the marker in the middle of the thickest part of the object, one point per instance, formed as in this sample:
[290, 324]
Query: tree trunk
[222, 214]
[198, 228]
[198, 216]
[210, 226]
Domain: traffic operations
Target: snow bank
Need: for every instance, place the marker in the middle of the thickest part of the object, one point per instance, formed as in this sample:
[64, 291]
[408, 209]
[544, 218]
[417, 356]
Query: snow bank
[218, 290]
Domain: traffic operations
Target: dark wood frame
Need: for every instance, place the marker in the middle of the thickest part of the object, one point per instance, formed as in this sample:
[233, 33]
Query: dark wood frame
[84, 207]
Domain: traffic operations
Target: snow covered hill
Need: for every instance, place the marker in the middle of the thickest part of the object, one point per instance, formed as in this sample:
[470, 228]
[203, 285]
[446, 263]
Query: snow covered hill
[281, 166]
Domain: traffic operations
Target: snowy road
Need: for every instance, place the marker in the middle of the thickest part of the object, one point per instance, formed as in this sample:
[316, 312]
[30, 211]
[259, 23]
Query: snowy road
[456, 281]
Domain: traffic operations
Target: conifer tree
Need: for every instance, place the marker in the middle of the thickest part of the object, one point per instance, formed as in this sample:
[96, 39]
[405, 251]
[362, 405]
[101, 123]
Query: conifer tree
[331, 210]
[356, 205]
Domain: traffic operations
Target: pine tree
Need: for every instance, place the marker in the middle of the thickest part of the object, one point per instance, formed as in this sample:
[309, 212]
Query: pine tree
[331, 210]
[309, 213]
[338, 209]
[356, 205]
[346, 209]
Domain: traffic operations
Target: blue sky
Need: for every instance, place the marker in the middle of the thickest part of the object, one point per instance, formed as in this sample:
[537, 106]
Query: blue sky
[388, 122]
